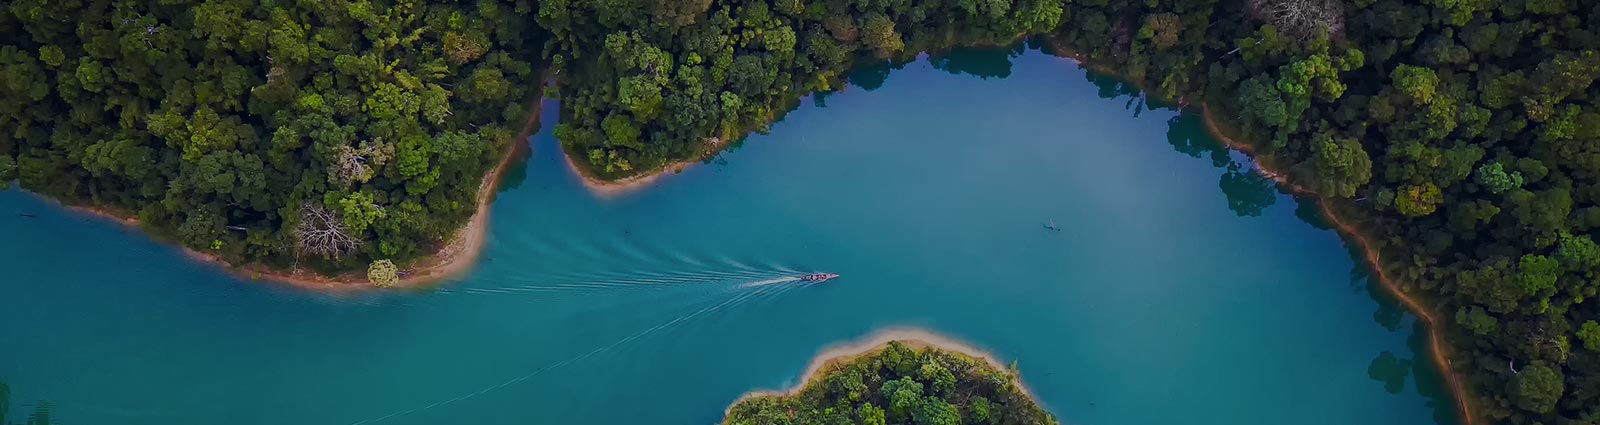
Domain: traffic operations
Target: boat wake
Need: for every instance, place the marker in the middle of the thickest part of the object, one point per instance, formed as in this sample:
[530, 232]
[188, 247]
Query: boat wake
[744, 297]
[769, 282]
[569, 285]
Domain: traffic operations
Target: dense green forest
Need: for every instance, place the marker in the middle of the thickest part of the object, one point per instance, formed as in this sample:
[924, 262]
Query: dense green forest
[1463, 134]
[651, 82]
[321, 133]
[1466, 133]
[899, 385]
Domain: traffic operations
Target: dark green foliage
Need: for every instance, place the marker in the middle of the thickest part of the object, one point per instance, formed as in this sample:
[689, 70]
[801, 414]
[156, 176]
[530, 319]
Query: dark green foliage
[647, 85]
[1589, 334]
[1536, 388]
[1464, 136]
[899, 385]
[219, 122]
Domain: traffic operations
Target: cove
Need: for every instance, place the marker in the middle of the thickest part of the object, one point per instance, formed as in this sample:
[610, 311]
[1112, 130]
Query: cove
[1183, 287]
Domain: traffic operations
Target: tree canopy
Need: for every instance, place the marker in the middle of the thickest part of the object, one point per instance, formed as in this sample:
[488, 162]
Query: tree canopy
[325, 133]
[641, 92]
[1463, 136]
[899, 384]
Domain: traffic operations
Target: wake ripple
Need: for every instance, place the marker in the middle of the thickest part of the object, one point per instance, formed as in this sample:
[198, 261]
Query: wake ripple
[742, 298]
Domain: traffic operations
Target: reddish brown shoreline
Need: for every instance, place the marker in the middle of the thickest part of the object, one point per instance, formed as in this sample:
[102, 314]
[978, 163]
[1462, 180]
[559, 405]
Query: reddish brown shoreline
[1370, 253]
[1350, 232]
[453, 259]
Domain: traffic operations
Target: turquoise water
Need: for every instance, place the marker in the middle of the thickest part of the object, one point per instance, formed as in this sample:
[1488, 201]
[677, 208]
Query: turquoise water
[1183, 289]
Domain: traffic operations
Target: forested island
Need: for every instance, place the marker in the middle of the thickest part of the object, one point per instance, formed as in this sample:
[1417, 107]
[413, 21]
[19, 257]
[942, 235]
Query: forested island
[907, 381]
[1461, 137]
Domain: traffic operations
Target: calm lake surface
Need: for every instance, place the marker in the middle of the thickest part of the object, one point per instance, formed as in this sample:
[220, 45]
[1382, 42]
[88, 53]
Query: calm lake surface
[1182, 288]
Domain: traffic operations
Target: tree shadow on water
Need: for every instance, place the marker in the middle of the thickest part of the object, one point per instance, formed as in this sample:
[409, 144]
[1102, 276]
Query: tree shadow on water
[1431, 383]
[1110, 87]
[1310, 212]
[1391, 370]
[981, 62]
[1248, 192]
[517, 171]
[1390, 313]
[871, 73]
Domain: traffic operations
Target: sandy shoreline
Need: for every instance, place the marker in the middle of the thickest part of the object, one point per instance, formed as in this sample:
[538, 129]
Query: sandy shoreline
[453, 259]
[613, 188]
[604, 189]
[846, 351]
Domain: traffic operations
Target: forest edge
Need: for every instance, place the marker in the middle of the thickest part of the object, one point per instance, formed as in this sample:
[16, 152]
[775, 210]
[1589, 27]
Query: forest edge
[601, 187]
[1348, 231]
[453, 259]
[461, 252]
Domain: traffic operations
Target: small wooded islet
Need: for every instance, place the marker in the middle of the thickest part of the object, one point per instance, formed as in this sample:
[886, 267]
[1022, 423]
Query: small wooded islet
[1462, 136]
[898, 384]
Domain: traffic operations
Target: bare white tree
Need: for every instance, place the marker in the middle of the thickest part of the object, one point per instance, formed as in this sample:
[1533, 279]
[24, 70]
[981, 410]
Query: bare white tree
[358, 164]
[1301, 19]
[320, 232]
[1542, 341]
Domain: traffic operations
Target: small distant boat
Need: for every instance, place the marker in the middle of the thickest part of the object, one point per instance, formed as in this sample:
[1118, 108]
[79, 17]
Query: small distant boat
[819, 277]
[1052, 226]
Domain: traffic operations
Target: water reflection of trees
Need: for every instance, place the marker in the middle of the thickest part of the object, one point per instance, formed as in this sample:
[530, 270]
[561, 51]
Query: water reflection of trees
[1430, 380]
[983, 63]
[1247, 191]
[871, 74]
[517, 171]
[1391, 370]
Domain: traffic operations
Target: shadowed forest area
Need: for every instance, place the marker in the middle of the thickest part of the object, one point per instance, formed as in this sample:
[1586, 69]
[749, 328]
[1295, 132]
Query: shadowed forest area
[1464, 135]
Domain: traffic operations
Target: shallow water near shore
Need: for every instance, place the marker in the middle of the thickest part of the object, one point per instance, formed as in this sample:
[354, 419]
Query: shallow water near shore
[1181, 288]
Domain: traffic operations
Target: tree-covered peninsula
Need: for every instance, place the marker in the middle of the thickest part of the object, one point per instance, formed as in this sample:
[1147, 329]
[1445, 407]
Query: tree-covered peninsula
[654, 82]
[327, 134]
[1462, 136]
[898, 383]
